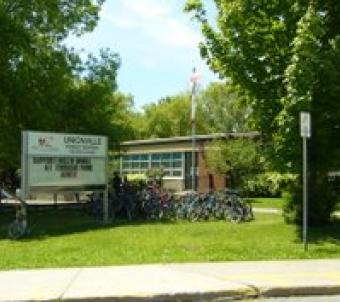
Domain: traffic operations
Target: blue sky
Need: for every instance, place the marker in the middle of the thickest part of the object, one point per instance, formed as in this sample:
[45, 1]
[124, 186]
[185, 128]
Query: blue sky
[157, 44]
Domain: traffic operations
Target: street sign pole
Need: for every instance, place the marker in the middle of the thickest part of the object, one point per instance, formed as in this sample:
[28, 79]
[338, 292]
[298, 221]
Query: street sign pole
[305, 127]
[305, 194]
[106, 192]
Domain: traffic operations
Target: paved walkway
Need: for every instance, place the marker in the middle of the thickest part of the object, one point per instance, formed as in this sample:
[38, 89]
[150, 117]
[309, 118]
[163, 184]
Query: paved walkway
[267, 210]
[176, 282]
[279, 211]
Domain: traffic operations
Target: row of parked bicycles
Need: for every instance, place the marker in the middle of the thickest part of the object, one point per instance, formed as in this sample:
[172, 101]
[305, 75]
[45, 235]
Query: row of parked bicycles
[153, 203]
[194, 206]
[157, 204]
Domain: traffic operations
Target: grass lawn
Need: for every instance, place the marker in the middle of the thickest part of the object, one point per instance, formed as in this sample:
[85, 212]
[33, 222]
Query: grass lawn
[70, 238]
[266, 202]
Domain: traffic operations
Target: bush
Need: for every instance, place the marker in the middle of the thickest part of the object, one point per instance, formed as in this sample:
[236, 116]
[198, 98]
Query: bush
[156, 174]
[269, 184]
[322, 201]
[137, 180]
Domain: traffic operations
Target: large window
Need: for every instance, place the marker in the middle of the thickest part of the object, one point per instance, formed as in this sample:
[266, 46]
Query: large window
[135, 164]
[172, 163]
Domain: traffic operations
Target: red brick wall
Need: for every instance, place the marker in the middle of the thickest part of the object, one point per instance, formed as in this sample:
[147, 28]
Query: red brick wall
[218, 180]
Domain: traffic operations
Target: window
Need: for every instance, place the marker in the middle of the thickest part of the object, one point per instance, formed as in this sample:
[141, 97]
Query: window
[171, 162]
[126, 165]
[144, 157]
[144, 165]
[177, 156]
[177, 173]
[156, 156]
[135, 163]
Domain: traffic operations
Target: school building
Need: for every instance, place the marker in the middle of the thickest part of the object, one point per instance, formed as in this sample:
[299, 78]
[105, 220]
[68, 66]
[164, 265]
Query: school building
[174, 155]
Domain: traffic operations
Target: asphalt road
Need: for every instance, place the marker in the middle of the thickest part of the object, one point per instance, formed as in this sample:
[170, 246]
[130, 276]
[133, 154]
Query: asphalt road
[296, 299]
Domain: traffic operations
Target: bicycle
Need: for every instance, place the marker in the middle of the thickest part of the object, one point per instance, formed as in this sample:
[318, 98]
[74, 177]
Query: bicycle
[236, 210]
[19, 227]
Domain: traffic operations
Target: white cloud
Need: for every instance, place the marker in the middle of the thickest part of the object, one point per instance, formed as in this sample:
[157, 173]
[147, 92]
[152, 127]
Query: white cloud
[175, 33]
[156, 21]
[157, 43]
[147, 9]
[120, 21]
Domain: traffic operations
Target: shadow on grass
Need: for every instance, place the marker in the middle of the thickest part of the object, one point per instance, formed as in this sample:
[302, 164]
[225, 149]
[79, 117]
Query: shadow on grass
[53, 222]
[328, 233]
[253, 201]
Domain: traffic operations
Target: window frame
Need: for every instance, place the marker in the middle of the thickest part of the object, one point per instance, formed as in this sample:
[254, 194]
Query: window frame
[132, 163]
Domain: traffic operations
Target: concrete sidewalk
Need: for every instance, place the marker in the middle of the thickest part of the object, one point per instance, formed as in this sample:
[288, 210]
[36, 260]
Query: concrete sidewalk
[176, 282]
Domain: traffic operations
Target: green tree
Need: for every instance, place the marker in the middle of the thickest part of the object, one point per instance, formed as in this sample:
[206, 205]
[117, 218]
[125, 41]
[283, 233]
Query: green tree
[138, 123]
[218, 109]
[44, 85]
[237, 158]
[223, 109]
[171, 116]
[88, 103]
[283, 55]
[124, 117]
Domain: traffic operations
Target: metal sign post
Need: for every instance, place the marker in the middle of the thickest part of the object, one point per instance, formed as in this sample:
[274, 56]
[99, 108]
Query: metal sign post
[305, 128]
[106, 191]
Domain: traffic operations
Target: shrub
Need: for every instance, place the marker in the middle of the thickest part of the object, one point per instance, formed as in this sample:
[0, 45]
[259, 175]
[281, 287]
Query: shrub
[269, 184]
[322, 201]
[137, 180]
[156, 174]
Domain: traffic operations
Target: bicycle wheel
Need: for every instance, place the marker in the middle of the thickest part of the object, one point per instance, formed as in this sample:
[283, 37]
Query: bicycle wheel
[16, 230]
[248, 212]
[161, 214]
[235, 217]
[180, 213]
[193, 215]
[233, 214]
[219, 212]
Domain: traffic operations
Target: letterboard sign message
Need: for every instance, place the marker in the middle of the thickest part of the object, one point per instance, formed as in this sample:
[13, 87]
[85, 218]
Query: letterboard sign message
[57, 161]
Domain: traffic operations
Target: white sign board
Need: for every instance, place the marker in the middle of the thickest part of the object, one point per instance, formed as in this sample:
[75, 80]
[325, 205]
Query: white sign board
[61, 162]
[305, 124]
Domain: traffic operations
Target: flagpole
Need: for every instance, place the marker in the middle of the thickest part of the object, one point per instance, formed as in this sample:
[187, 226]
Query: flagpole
[193, 131]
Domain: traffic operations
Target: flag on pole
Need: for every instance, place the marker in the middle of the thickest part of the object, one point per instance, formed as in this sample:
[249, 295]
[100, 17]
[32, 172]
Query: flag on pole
[194, 78]
[194, 81]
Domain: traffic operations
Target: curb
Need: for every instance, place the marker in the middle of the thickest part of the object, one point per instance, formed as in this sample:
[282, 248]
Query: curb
[229, 295]
[175, 282]
[180, 297]
[300, 291]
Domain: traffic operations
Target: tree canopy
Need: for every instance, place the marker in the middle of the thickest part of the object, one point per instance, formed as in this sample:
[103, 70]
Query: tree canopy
[284, 57]
[219, 108]
[224, 110]
[236, 157]
[171, 116]
[44, 85]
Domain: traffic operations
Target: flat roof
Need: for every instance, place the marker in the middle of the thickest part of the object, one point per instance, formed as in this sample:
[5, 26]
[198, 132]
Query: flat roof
[176, 139]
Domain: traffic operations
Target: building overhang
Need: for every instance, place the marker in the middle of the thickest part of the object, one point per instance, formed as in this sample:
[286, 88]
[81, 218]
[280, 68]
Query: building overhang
[187, 139]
